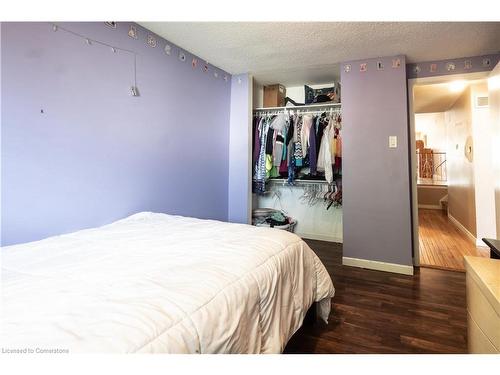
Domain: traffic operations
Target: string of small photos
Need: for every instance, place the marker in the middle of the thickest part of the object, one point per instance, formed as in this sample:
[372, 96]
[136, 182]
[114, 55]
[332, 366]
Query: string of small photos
[151, 41]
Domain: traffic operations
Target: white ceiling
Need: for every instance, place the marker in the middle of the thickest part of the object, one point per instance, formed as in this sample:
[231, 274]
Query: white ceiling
[294, 53]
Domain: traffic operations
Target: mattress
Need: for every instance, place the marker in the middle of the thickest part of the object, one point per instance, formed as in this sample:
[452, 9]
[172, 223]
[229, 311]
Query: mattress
[158, 283]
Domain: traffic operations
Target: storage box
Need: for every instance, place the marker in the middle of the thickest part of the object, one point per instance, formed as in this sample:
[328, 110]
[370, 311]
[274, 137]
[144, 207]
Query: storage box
[274, 95]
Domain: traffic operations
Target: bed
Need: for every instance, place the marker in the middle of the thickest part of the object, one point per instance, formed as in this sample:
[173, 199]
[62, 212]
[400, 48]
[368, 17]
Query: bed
[159, 283]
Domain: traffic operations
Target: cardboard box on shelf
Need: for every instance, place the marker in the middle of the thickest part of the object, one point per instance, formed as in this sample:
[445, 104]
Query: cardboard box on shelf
[274, 95]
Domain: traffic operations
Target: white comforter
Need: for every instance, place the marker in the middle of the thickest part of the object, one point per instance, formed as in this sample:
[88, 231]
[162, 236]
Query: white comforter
[159, 283]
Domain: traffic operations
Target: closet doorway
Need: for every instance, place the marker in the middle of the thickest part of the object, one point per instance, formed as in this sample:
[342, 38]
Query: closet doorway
[452, 159]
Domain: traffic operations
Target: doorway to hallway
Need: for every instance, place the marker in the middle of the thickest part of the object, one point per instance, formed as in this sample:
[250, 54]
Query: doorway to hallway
[452, 165]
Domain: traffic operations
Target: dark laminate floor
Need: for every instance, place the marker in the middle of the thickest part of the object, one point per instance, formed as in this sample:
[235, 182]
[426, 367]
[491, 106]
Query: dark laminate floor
[380, 312]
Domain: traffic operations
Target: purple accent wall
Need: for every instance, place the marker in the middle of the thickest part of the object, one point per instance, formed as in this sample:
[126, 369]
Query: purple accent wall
[239, 194]
[376, 180]
[97, 154]
[462, 65]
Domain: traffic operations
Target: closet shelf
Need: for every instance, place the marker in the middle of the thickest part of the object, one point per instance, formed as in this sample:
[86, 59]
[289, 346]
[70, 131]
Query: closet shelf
[296, 181]
[316, 105]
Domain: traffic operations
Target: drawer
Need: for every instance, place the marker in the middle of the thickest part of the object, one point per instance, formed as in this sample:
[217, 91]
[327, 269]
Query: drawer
[477, 342]
[483, 313]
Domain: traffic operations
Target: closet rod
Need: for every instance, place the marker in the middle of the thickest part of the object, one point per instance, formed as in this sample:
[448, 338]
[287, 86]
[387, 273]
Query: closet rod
[297, 181]
[316, 105]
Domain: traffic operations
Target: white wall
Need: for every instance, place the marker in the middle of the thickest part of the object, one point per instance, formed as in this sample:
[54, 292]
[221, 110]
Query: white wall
[314, 222]
[257, 95]
[483, 166]
[431, 128]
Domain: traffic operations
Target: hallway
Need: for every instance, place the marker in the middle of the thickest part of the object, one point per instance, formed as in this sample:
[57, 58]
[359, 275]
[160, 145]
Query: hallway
[442, 244]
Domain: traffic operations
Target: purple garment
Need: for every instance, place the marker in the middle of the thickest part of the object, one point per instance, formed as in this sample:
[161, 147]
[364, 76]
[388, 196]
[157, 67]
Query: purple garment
[313, 155]
[256, 140]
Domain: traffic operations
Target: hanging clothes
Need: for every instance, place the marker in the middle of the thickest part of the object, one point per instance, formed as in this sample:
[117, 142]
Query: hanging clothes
[307, 122]
[325, 160]
[297, 140]
[297, 146]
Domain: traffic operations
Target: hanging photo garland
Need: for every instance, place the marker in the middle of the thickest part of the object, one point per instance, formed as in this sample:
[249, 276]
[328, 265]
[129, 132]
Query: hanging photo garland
[151, 41]
[132, 32]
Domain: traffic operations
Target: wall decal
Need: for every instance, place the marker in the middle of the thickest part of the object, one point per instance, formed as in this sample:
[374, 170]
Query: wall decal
[151, 41]
[347, 68]
[433, 68]
[168, 49]
[182, 56]
[467, 64]
[194, 62]
[380, 65]
[363, 67]
[396, 63]
[486, 62]
[132, 32]
[111, 24]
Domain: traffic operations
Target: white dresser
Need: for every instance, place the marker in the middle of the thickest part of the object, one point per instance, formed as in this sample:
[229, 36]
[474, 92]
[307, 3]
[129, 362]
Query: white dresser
[483, 304]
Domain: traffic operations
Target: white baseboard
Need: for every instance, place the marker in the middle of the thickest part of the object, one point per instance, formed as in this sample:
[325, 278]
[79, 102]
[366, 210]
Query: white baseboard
[430, 206]
[459, 225]
[379, 266]
[320, 237]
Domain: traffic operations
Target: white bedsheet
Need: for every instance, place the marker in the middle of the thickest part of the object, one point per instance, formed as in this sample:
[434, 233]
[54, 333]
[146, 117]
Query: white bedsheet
[160, 283]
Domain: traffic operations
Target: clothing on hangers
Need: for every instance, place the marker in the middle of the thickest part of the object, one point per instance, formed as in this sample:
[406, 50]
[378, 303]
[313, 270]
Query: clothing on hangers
[296, 145]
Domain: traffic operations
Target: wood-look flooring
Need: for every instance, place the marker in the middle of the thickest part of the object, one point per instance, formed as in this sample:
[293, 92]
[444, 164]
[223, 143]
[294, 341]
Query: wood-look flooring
[442, 244]
[381, 312]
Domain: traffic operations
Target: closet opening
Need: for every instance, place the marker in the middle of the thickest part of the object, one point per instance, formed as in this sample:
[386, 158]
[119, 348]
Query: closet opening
[452, 164]
[297, 158]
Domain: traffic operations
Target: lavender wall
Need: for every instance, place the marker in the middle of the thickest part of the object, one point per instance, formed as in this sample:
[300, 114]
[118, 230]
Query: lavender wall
[376, 183]
[472, 64]
[96, 153]
[239, 194]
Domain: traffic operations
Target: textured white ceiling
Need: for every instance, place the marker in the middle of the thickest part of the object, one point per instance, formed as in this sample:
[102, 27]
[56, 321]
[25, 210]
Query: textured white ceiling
[310, 52]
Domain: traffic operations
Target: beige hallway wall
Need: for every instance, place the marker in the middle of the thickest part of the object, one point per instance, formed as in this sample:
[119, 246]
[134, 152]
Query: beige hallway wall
[461, 196]
[494, 104]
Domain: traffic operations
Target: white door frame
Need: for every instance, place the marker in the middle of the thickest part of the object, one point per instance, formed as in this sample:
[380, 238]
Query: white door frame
[412, 146]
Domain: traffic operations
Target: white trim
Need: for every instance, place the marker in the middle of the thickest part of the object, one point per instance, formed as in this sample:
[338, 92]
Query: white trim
[320, 237]
[430, 206]
[459, 225]
[379, 266]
